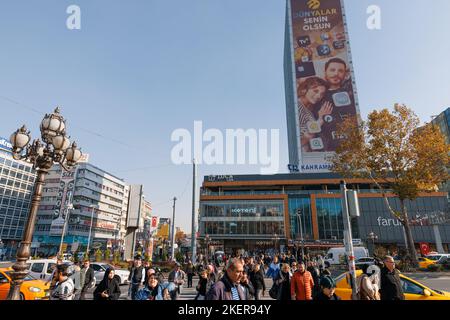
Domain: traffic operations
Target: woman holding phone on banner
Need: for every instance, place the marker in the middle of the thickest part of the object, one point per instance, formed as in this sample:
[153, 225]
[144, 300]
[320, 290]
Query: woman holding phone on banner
[311, 94]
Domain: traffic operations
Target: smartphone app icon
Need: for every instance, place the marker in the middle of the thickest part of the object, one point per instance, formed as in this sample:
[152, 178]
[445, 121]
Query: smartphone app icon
[304, 41]
[339, 44]
[328, 118]
[313, 127]
[305, 69]
[316, 143]
[341, 99]
[323, 50]
[325, 36]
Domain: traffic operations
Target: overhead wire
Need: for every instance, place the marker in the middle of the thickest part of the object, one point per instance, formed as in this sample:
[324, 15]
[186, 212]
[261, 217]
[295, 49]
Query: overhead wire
[37, 111]
[75, 126]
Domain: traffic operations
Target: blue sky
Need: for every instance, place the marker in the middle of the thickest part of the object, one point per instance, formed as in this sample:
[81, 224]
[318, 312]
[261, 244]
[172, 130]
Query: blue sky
[139, 69]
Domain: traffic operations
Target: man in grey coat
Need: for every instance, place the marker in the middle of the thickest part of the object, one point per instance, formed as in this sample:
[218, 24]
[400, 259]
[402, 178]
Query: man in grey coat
[228, 288]
[176, 280]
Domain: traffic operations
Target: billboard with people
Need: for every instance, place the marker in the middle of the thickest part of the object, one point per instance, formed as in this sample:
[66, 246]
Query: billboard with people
[325, 87]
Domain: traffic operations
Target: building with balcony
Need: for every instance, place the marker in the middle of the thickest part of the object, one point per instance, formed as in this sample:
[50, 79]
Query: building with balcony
[99, 200]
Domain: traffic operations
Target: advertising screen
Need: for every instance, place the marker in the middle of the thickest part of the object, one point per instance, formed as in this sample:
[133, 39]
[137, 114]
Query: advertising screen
[324, 81]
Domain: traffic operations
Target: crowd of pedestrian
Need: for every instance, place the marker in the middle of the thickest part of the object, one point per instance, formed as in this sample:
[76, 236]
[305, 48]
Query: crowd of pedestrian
[297, 279]
[229, 278]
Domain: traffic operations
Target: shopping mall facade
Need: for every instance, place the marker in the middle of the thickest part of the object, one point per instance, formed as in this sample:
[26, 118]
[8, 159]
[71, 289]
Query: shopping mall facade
[257, 212]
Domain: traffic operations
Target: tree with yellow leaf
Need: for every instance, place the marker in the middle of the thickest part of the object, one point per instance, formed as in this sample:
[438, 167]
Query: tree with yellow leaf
[395, 153]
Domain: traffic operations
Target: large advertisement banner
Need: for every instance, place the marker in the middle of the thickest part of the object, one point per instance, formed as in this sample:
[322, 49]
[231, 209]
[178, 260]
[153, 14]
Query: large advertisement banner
[324, 79]
[64, 199]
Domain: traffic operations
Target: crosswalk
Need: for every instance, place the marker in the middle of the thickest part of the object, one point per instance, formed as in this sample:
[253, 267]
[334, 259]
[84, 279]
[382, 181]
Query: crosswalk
[189, 293]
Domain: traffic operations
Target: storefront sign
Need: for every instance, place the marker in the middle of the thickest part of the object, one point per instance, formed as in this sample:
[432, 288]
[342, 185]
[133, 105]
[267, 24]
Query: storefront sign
[243, 210]
[419, 219]
[5, 144]
[220, 178]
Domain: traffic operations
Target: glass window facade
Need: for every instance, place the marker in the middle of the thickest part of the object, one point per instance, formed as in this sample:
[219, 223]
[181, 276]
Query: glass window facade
[16, 186]
[329, 218]
[302, 205]
[330, 221]
[244, 218]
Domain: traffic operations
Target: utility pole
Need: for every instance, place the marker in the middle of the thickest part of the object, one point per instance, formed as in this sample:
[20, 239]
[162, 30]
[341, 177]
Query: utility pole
[69, 208]
[348, 241]
[299, 216]
[90, 230]
[173, 231]
[193, 228]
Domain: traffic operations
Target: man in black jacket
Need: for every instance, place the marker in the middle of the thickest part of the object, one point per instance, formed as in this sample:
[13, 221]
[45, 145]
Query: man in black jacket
[257, 280]
[391, 286]
[228, 288]
[136, 277]
[87, 278]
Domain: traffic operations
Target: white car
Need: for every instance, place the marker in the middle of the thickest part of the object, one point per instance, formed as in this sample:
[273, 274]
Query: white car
[438, 257]
[100, 269]
[364, 261]
[42, 269]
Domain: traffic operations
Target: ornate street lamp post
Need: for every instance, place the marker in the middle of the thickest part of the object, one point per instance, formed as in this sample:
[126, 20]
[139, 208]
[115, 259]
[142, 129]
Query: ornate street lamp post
[54, 148]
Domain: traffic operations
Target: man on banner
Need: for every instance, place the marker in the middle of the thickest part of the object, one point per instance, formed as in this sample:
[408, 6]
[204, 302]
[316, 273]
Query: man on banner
[340, 95]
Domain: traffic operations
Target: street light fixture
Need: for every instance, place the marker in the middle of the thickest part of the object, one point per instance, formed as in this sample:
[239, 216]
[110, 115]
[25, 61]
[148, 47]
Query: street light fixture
[372, 236]
[299, 215]
[207, 240]
[276, 241]
[90, 230]
[54, 148]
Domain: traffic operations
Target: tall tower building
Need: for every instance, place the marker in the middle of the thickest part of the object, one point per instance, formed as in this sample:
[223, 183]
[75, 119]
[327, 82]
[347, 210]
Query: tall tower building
[319, 81]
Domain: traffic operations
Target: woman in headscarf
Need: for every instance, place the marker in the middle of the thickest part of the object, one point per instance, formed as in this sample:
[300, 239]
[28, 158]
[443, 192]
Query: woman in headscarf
[108, 289]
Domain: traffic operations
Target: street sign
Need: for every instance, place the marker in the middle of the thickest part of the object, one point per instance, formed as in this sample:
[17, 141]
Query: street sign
[353, 204]
[64, 247]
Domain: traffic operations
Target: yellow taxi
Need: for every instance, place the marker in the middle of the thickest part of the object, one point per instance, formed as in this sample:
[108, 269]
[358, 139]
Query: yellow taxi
[31, 289]
[425, 262]
[412, 289]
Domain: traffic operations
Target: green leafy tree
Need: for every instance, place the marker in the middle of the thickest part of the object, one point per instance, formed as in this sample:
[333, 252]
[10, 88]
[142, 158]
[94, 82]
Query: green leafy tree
[398, 155]
[179, 256]
[75, 256]
[116, 257]
[98, 255]
[107, 254]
